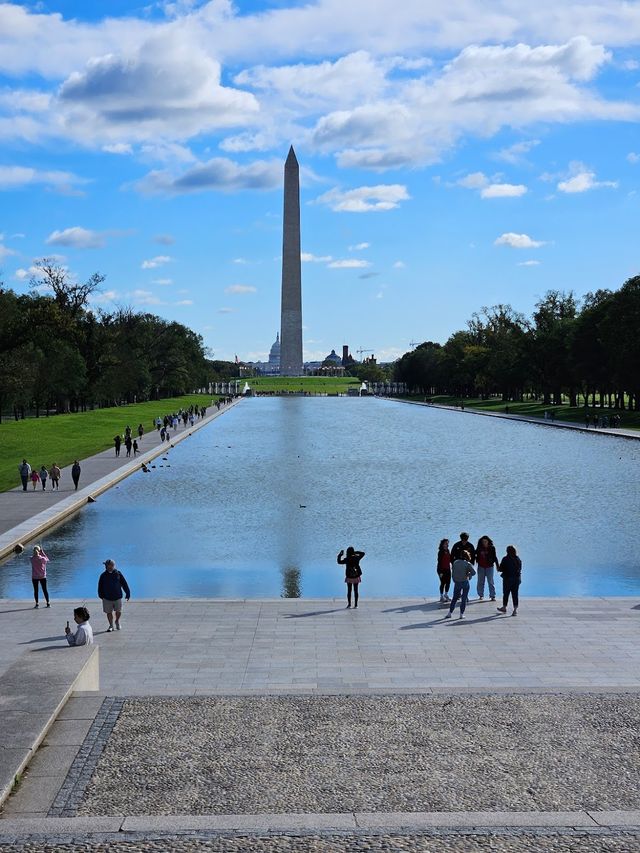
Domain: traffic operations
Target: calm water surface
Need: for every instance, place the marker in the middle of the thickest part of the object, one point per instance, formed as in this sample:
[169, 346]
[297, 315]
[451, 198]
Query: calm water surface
[259, 503]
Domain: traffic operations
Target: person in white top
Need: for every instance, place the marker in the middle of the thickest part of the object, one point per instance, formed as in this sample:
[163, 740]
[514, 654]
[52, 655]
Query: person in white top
[84, 635]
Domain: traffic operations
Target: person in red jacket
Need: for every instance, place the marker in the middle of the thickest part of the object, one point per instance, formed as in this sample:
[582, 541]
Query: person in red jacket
[486, 558]
[444, 570]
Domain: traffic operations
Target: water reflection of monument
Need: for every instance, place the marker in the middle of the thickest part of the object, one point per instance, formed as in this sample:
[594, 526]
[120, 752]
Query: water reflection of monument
[290, 582]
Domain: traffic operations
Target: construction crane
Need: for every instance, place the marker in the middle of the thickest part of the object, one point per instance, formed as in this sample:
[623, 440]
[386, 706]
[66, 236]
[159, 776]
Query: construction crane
[361, 350]
[413, 343]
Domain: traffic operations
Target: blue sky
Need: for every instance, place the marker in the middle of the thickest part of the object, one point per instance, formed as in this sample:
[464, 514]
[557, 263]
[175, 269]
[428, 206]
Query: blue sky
[453, 155]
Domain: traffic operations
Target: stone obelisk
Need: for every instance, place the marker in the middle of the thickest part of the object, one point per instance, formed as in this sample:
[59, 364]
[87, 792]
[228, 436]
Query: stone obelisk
[291, 305]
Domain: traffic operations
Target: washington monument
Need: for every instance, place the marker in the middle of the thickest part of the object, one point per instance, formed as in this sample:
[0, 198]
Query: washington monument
[291, 306]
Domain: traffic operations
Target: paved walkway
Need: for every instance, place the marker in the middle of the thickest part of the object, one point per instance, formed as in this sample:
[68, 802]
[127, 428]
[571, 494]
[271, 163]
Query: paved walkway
[621, 433]
[195, 647]
[24, 515]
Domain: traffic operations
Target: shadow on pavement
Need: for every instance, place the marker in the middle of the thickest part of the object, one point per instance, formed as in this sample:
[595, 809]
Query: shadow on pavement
[313, 613]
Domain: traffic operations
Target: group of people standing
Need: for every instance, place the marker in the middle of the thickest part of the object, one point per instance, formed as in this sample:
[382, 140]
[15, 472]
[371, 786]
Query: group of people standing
[33, 476]
[464, 562]
[129, 442]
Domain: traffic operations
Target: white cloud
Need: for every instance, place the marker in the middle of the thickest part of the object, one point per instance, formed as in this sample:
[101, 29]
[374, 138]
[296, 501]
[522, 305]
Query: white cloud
[184, 302]
[348, 263]
[104, 297]
[632, 157]
[353, 80]
[483, 89]
[518, 241]
[473, 181]
[77, 238]
[529, 264]
[240, 261]
[240, 288]
[359, 247]
[583, 181]
[488, 189]
[164, 239]
[168, 88]
[216, 174]
[163, 282]
[118, 148]
[309, 258]
[225, 310]
[145, 297]
[503, 191]
[158, 261]
[631, 65]
[399, 265]
[18, 177]
[516, 154]
[365, 199]
[5, 251]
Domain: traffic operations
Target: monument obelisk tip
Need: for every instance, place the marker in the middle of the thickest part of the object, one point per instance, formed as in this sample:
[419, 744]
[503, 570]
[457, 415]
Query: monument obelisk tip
[291, 157]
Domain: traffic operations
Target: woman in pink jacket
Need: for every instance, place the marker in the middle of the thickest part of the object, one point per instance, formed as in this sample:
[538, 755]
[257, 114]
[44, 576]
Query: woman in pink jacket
[39, 562]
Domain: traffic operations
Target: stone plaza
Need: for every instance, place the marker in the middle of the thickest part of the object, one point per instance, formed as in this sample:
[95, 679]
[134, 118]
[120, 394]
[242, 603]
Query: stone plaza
[300, 725]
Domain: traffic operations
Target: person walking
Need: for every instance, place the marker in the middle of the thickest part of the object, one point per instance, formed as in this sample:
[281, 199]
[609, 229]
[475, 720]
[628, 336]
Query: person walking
[35, 478]
[140, 431]
[25, 472]
[39, 562]
[44, 474]
[111, 585]
[352, 573]
[461, 545]
[444, 570]
[117, 440]
[84, 635]
[135, 447]
[128, 444]
[486, 559]
[511, 571]
[76, 470]
[54, 473]
[462, 571]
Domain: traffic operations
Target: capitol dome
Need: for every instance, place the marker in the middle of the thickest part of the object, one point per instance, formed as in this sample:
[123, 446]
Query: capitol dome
[274, 353]
[334, 358]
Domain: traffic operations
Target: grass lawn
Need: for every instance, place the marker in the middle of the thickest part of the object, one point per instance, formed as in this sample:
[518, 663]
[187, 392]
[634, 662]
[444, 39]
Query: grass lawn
[63, 438]
[573, 414]
[310, 384]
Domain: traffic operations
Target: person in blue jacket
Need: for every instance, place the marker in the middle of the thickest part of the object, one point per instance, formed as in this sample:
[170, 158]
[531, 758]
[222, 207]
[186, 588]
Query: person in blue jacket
[111, 586]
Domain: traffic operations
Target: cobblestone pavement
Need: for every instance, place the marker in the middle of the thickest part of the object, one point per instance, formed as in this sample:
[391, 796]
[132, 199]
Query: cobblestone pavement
[253, 755]
[512, 842]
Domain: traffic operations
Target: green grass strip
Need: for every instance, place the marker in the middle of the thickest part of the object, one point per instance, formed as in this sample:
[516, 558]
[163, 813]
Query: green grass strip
[535, 409]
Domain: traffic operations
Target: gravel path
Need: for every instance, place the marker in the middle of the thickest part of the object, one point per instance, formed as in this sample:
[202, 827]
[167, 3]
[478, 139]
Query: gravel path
[507, 843]
[250, 755]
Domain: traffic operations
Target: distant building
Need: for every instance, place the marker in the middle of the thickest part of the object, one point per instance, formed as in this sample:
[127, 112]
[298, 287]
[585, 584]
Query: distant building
[271, 367]
[332, 360]
[274, 356]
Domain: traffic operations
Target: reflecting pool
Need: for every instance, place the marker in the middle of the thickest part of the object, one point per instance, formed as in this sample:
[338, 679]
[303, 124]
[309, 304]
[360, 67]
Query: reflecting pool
[259, 503]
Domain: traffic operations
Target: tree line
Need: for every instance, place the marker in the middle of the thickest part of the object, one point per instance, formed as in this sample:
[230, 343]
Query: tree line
[58, 354]
[585, 350]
